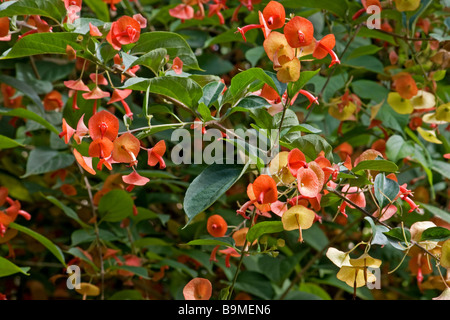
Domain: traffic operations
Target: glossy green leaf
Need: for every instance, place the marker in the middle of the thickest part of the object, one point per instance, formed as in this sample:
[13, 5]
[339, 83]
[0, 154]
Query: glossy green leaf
[8, 268]
[115, 206]
[263, 227]
[8, 143]
[175, 45]
[42, 160]
[55, 250]
[222, 241]
[47, 8]
[296, 86]
[378, 165]
[435, 234]
[209, 186]
[385, 190]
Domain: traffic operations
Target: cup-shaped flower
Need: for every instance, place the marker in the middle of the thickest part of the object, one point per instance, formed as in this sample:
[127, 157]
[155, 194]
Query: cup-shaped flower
[126, 149]
[120, 96]
[278, 168]
[216, 226]
[277, 49]
[182, 12]
[155, 154]
[289, 71]
[353, 194]
[103, 124]
[198, 289]
[84, 162]
[265, 189]
[101, 148]
[76, 85]
[177, 65]
[423, 100]
[407, 5]
[134, 179]
[324, 47]
[274, 15]
[67, 131]
[296, 160]
[124, 31]
[299, 32]
[405, 85]
[356, 274]
[298, 217]
[308, 183]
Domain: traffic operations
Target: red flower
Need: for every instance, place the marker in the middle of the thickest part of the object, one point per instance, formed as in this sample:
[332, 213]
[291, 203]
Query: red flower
[274, 15]
[324, 47]
[299, 32]
[94, 31]
[53, 101]
[126, 149]
[182, 12]
[197, 289]
[134, 179]
[103, 124]
[265, 189]
[177, 65]
[156, 153]
[67, 131]
[216, 226]
[76, 85]
[124, 31]
[120, 95]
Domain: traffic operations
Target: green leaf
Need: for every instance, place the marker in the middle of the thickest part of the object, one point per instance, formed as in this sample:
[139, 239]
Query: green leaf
[442, 168]
[435, 234]
[397, 234]
[8, 268]
[149, 241]
[367, 89]
[211, 92]
[366, 62]
[55, 43]
[67, 210]
[175, 45]
[56, 251]
[378, 236]
[42, 160]
[79, 254]
[264, 227]
[221, 241]
[183, 90]
[397, 148]
[154, 60]
[253, 55]
[444, 215]
[100, 9]
[47, 8]
[385, 190]
[378, 165]
[255, 283]
[311, 145]
[241, 82]
[209, 186]
[305, 76]
[115, 206]
[8, 143]
[249, 103]
[364, 50]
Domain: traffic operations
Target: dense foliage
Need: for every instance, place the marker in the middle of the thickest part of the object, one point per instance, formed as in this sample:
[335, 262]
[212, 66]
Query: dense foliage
[224, 149]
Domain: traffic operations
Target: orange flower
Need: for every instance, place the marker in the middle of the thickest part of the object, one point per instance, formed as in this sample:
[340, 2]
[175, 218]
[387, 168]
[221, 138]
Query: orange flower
[405, 85]
[278, 50]
[299, 32]
[103, 124]
[124, 31]
[296, 160]
[53, 101]
[112, 3]
[8, 92]
[308, 183]
[119, 96]
[182, 12]
[324, 47]
[197, 289]
[94, 31]
[95, 94]
[68, 190]
[101, 148]
[265, 189]
[216, 226]
[76, 85]
[84, 162]
[177, 65]
[67, 131]
[156, 153]
[126, 149]
[134, 179]
[275, 15]
[353, 194]
[262, 25]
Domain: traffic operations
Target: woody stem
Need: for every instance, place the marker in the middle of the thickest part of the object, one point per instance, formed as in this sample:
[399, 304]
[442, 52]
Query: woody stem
[230, 292]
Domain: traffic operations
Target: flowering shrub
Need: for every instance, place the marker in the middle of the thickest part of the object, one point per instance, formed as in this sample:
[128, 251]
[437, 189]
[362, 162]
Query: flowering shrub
[313, 161]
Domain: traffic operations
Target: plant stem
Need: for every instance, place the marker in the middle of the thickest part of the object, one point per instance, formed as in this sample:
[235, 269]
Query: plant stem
[243, 252]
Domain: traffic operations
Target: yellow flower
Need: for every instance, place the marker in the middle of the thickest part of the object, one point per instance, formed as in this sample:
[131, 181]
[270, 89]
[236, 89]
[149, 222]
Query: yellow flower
[357, 275]
[298, 217]
[429, 135]
[400, 105]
